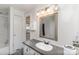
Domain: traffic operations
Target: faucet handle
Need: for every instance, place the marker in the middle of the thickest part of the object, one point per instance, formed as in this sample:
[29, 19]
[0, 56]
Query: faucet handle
[46, 42]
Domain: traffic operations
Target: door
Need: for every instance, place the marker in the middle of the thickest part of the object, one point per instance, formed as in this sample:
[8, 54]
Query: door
[18, 32]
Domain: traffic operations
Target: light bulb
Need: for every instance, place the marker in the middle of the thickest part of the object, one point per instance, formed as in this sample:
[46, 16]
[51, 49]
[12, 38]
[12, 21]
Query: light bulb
[50, 11]
[42, 12]
[56, 8]
[38, 14]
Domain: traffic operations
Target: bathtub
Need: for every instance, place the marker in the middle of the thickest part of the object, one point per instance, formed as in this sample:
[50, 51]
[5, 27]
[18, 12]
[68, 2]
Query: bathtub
[4, 49]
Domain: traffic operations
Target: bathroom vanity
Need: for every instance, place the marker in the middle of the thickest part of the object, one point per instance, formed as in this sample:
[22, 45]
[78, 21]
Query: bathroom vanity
[48, 28]
[31, 49]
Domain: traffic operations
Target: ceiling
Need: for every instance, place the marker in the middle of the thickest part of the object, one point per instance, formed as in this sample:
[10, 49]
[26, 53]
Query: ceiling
[24, 7]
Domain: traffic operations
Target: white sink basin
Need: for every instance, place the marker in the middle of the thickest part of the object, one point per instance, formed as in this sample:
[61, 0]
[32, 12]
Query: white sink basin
[43, 46]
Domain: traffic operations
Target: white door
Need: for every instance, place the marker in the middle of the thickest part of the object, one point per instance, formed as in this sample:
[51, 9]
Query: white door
[18, 32]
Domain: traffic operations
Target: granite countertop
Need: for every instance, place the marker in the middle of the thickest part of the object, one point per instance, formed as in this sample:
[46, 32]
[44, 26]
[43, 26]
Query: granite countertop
[55, 51]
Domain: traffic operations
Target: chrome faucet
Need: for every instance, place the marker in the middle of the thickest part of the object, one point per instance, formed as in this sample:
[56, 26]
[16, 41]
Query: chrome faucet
[46, 42]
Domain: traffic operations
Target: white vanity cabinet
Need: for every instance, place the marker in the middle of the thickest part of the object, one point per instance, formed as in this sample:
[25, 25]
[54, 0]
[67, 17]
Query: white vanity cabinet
[30, 51]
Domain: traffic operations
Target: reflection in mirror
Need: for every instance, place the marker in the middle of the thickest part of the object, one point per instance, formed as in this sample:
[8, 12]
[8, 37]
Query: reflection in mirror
[48, 27]
[48, 23]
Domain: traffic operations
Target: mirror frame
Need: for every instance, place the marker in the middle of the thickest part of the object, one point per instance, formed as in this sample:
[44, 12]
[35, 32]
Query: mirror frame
[56, 28]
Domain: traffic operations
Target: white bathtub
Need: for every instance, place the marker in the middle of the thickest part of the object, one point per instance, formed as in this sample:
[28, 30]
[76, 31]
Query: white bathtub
[4, 51]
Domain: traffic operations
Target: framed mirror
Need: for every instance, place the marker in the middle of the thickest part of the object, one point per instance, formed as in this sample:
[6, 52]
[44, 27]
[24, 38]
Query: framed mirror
[49, 25]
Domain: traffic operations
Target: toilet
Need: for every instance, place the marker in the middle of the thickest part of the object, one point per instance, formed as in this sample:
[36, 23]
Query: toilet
[69, 50]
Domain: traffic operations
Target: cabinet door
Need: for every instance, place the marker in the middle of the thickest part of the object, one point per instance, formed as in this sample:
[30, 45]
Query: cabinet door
[26, 50]
[31, 52]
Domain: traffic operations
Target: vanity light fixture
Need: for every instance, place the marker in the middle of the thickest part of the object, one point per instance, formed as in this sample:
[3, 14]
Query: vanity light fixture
[52, 9]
